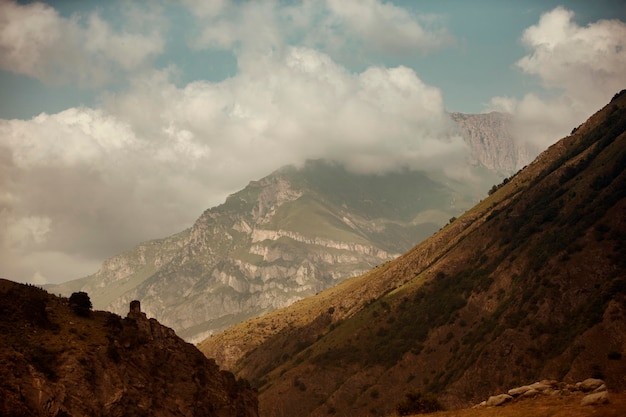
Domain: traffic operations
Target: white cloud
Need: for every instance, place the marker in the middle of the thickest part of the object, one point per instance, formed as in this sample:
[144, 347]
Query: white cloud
[581, 67]
[153, 158]
[337, 27]
[36, 41]
[383, 28]
[87, 183]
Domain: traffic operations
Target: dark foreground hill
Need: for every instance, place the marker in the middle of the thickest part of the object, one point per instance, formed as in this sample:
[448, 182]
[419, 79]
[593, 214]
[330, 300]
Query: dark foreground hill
[530, 284]
[65, 361]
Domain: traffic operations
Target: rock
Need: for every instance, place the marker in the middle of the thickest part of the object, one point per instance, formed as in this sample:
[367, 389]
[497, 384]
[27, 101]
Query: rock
[600, 388]
[497, 400]
[590, 384]
[595, 398]
[531, 393]
[541, 386]
[519, 390]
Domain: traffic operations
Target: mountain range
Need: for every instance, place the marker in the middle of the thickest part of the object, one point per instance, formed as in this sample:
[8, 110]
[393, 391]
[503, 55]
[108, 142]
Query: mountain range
[529, 284]
[294, 233]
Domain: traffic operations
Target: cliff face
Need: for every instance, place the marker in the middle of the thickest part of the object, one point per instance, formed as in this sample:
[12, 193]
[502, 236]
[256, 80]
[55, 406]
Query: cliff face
[491, 141]
[54, 362]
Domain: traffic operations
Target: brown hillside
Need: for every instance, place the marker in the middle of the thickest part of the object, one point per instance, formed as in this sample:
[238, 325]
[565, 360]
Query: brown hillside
[55, 362]
[529, 284]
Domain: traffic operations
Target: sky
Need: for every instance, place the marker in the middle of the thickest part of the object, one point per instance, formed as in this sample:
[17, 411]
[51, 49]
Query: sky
[122, 121]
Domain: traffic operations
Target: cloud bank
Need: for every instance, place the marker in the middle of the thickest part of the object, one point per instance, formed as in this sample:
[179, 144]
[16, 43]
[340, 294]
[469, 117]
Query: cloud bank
[36, 41]
[581, 68]
[87, 183]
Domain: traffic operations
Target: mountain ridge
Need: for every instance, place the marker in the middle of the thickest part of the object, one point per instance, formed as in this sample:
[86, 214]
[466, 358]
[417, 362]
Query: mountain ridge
[521, 287]
[59, 358]
[290, 235]
[278, 240]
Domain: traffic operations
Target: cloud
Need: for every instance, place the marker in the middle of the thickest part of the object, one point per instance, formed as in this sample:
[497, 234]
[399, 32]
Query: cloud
[36, 41]
[383, 28]
[581, 68]
[338, 28]
[89, 183]
[86, 183]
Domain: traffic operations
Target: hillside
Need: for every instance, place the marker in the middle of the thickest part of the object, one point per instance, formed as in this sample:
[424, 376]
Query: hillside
[529, 284]
[280, 239]
[60, 359]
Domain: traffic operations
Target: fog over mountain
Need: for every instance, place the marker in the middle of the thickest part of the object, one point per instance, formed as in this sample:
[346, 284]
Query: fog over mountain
[121, 122]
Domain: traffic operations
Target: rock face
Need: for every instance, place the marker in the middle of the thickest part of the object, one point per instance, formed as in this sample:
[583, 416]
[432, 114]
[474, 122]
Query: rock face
[56, 363]
[490, 138]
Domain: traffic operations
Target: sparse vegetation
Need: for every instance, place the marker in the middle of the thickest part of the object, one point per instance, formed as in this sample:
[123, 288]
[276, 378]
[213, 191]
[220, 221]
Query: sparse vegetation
[417, 403]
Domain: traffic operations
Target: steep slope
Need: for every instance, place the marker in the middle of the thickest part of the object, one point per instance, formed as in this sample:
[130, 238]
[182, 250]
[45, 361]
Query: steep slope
[57, 359]
[281, 239]
[529, 284]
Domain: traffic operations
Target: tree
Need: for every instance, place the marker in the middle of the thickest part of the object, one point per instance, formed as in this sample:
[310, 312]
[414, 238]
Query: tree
[80, 303]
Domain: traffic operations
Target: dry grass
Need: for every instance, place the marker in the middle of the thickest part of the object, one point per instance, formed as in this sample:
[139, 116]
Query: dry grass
[556, 406]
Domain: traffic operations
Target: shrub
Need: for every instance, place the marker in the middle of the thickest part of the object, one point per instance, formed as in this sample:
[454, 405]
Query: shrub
[80, 303]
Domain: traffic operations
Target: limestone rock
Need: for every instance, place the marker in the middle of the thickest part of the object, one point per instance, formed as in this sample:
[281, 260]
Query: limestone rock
[497, 400]
[515, 392]
[595, 398]
[600, 388]
[591, 384]
[531, 393]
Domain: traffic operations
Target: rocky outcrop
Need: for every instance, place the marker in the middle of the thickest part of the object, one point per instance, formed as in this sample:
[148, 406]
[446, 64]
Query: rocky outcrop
[595, 392]
[491, 141]
[55, 363]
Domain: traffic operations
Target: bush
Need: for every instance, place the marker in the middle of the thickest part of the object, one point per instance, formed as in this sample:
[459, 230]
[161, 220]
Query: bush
[80, 303]
[417, 403]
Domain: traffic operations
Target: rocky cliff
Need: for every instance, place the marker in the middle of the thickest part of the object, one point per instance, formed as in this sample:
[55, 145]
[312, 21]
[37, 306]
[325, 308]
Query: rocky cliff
[57, 360]
[491, 141]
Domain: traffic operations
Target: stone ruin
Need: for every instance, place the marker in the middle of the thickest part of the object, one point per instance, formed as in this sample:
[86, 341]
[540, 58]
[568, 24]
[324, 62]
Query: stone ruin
[135, 310]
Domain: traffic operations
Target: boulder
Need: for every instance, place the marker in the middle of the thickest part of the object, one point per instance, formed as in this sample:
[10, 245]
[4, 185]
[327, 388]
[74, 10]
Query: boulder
[541, 386]
[531, 393]
[497, 400]
[591, 384]
[595, 398]
[519, 390]
[600, 388]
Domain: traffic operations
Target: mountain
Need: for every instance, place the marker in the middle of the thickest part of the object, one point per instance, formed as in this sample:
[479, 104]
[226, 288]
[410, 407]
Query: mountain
[59, 358]
[280, 239]
[490, 138]
[529, 284]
